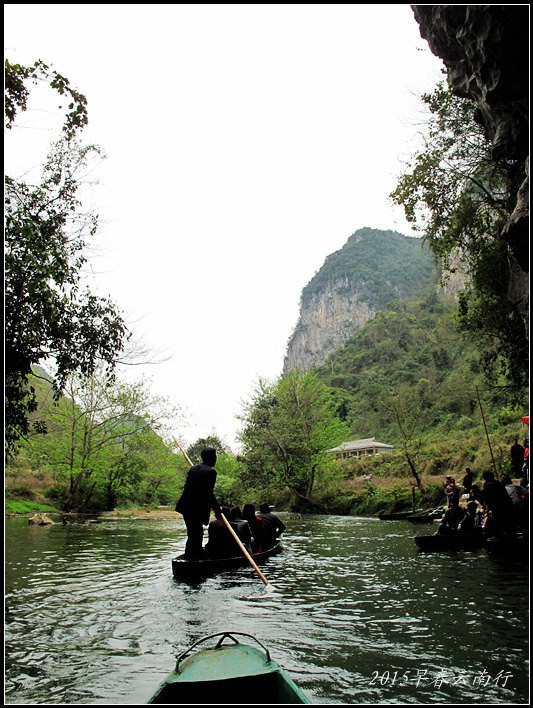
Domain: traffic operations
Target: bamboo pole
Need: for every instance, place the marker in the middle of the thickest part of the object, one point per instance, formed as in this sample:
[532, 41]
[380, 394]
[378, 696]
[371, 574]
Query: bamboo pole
[487, 433]
[245, 552]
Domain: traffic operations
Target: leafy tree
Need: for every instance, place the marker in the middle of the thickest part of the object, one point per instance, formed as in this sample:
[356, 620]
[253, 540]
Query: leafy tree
[158, 471]
[17, 94]
[101, 442]
[288, 428]
[47, 312]
[194, 450]
[229, 487]
[459, 196]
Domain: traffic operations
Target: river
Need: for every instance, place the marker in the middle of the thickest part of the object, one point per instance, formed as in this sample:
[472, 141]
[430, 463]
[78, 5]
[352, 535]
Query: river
[357, 616]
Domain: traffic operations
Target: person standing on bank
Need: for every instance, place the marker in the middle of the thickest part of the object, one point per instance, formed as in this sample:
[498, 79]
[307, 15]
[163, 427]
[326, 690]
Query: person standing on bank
[517, 458]
[197, 500]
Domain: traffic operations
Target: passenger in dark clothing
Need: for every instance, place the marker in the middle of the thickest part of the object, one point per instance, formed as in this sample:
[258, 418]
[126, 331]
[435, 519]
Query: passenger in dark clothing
[273, 527]
[517, 458]
[525, 466]
[518, 495]
[476, 495]
[447, 524]
[498, 505]
[197, 500]
[468, 480]
[241, 528]
[221, 543]
[256, 527]
[452, 493]
[470, 523]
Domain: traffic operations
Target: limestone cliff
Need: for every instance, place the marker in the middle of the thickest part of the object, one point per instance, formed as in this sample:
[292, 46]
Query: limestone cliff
[327, 320]
[373, 268]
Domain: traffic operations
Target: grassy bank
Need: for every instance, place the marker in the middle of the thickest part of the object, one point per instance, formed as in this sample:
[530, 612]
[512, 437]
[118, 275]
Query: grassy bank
[27, 506]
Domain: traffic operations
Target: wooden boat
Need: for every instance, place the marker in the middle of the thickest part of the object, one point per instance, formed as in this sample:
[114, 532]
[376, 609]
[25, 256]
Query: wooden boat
[182, 568]
[227, 674]
[400, 515]
[425, 518]
[450, 542]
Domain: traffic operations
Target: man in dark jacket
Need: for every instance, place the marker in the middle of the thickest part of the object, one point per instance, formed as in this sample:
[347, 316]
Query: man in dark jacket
[272, 526]
[197, 500]
[517, 458]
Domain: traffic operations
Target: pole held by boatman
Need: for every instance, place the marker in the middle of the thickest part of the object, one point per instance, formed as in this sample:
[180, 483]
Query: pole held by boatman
[197, 500]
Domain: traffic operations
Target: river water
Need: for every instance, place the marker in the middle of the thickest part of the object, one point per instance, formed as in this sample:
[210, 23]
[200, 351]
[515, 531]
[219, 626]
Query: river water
[357, 616]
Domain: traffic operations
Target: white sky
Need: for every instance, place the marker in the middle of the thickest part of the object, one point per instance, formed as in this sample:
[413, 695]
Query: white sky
[244, 144]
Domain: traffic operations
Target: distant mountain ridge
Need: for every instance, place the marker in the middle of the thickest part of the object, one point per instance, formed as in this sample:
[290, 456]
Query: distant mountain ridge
[372, 269]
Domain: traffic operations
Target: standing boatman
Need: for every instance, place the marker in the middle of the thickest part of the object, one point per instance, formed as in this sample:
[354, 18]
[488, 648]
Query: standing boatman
[197, 500]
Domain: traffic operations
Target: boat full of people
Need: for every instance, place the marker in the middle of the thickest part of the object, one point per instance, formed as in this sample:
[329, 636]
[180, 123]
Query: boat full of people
[257, 533]
[495, 516]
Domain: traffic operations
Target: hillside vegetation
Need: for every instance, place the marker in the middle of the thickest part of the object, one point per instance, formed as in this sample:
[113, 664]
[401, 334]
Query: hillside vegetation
[411, 379]
[381, 265]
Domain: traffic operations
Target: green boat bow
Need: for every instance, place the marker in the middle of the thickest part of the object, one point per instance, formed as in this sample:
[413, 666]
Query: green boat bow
[227, 674]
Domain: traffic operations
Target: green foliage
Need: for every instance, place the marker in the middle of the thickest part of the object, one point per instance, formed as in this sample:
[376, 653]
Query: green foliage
[17, 94]
[194, 450]
[101, 447]
[46, 313]
[406, 350]
[384, 265]
[288, 427]
[377, 500]
[13, 506]
[459, 197]
[229, 489]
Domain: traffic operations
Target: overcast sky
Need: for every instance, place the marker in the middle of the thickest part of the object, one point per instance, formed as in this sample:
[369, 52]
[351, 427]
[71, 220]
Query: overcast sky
[244, 144]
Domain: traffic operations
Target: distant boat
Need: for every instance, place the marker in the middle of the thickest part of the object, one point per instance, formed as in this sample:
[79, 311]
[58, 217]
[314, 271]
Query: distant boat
[425, 518]
[183, 568]
[400, 515]
[227, 674]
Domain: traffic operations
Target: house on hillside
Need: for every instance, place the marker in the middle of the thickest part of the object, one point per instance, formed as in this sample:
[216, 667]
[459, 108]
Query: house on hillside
[360, 448]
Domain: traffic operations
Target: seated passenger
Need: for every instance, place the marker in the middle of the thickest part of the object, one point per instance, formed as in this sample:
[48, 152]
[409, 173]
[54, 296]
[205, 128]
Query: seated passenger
[476, 494]
[498, 505]
[470, 522]
[241, 528]
[447, 524]
[273, 527]
[221, 543]
[256, 527]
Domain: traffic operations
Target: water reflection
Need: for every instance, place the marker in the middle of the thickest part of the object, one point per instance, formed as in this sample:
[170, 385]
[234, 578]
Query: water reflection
[95, 616]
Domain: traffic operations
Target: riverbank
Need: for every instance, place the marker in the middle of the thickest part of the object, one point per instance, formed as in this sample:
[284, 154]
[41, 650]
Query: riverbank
[140, 514]
[357, 496]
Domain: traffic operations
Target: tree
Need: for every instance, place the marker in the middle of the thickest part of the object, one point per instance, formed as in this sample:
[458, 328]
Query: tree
[409, 407]
[102, 442]
[47, 313]
[459, 196]
[194, 450]
[288, 428]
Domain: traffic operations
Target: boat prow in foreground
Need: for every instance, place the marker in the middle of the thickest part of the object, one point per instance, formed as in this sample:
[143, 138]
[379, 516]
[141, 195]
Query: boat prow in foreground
[227, 674]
